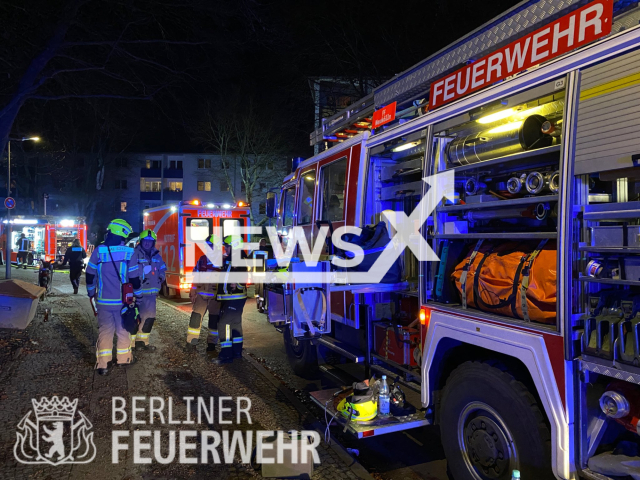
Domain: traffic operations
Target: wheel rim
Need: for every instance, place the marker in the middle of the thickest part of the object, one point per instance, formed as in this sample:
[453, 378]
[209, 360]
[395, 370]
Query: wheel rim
[486, 443]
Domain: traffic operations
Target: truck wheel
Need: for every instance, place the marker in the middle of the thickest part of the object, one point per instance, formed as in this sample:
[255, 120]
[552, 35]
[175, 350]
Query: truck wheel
[303, 356]
[164, 290]
[492, 425]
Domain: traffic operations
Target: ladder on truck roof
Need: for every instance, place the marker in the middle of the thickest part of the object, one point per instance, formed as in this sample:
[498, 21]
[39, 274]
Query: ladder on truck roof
[410, 89]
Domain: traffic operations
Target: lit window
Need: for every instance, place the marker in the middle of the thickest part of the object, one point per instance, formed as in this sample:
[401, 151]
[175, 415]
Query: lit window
[204, 186]
[123, 206]
[175, 186]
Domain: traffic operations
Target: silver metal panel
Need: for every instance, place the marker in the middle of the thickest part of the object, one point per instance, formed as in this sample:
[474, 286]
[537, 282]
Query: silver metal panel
[611, 70]
[610, 371]
[608, 124]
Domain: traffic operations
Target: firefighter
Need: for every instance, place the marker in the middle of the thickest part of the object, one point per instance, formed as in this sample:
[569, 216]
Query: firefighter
[75, 256]
[232, 296]
[23, 250]
[203, 299]
[111, 266]
[152, 271]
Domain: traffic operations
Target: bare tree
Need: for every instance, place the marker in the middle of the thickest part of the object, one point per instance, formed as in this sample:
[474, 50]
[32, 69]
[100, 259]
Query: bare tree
[246, 142]
[97, 50]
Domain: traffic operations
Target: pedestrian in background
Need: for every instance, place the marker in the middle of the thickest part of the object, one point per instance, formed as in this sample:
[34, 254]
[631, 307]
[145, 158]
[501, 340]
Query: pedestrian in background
[75, 256]
[152, 270]
[112, 270]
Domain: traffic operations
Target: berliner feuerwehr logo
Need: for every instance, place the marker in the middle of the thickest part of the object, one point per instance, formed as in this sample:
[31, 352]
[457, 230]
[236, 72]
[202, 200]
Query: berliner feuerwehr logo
[54, 433]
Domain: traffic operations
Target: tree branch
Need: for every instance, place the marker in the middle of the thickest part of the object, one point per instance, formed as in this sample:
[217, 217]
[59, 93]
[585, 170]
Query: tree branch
[130, 42]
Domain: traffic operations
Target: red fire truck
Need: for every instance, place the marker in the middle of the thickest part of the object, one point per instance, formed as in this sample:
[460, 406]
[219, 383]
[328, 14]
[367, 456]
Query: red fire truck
[170, 223]
[49, 236]
[523, 339]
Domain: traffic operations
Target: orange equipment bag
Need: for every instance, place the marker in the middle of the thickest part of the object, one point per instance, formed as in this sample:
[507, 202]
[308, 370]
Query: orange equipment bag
[497, 277]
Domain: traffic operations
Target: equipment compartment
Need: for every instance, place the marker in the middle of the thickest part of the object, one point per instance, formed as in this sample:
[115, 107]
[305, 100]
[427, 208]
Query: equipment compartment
[497, 240]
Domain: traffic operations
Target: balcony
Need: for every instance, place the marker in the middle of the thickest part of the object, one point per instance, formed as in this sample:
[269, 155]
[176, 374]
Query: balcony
[150, 196]
[170, 195]
[172, 173]
[151, 172]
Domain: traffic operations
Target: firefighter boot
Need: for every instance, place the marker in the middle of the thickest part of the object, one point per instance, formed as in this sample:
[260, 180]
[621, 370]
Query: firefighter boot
[236, 348]
[226, 343]
[226, 353]
[142, 338]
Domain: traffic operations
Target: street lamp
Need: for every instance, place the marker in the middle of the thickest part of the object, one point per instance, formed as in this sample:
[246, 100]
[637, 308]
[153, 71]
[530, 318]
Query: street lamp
[7, 249]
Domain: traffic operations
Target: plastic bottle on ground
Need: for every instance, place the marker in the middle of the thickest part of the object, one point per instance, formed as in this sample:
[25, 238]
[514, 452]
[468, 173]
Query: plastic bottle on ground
[515, 475]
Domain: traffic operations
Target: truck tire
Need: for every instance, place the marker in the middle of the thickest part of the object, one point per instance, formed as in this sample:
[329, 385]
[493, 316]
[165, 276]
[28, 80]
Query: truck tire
[491, 425]
[302, 355]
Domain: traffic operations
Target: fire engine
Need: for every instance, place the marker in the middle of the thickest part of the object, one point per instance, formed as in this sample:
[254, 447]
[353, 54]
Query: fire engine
[50, 236]
[523, 339]
[170, 223]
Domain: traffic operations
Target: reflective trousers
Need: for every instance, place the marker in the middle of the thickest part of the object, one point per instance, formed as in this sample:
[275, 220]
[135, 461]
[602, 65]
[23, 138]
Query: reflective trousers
[202, 304]
[230, 327]
[110, 324]
[147, 309]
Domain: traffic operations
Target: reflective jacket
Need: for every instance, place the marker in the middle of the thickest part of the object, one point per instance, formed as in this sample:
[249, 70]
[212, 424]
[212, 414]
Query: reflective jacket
[74, 256]
[205, 289]
[109, 287]
[152, 269]
[230, 290]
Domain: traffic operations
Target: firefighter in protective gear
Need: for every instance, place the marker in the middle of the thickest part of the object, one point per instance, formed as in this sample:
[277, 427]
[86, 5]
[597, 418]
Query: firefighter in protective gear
[110, 267]
[23, 245]
[203, 299]
[232, 296]
[152, 270]
[75, 256]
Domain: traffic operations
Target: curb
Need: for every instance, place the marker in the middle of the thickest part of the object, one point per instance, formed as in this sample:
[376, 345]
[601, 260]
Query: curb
[353, 465]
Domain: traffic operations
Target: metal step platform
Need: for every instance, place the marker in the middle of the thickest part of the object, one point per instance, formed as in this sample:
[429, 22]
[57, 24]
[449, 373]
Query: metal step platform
[377, 426]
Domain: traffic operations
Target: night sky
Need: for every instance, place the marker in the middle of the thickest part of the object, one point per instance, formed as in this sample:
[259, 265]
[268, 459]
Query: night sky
[182, 55]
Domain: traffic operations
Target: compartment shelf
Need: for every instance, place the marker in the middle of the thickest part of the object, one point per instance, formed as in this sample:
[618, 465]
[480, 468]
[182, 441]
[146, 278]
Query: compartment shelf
[614, 250]
[377, 426]
[605, 212]
[508, 158]
[498, 203]
[498, 236]
[608, 281]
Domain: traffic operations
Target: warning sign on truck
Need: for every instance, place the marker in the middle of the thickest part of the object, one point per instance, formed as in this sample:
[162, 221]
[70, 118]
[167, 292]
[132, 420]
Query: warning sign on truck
[578, 28]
